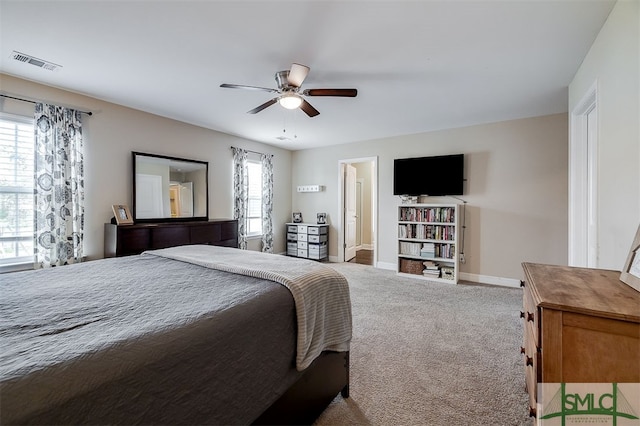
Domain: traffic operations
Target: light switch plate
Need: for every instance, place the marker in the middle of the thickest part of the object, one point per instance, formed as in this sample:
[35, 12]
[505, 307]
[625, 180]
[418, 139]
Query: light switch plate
[310, 188]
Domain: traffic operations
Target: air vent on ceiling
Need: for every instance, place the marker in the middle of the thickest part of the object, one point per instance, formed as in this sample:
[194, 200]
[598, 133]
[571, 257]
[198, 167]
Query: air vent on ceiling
[22, 57]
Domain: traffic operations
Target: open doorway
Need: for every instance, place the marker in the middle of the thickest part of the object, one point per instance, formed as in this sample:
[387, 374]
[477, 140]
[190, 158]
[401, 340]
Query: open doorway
[357, 236]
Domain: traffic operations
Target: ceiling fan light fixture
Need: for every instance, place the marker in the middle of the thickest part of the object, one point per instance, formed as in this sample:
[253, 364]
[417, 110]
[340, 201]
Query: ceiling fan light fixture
[290, 101]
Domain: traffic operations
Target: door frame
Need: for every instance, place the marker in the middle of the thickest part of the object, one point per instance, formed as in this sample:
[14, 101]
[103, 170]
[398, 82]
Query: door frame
[374, 204]
[583, 181]
[359, 199]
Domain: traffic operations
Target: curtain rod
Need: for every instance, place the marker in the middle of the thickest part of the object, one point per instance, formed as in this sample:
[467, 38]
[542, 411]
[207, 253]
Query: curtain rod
[248, 150]
[34, 102]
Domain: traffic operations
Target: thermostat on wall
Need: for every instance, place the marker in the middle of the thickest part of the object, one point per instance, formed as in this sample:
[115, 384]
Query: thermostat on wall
[310, 188]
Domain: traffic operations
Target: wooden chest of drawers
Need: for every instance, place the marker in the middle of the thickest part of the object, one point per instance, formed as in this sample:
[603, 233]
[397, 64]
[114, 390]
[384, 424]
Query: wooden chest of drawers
[580, 326]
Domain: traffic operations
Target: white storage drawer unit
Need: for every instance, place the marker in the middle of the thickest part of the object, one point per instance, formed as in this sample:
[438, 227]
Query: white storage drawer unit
[307, 240]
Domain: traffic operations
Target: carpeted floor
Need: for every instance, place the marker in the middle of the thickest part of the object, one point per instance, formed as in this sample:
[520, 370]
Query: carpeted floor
[427, 353]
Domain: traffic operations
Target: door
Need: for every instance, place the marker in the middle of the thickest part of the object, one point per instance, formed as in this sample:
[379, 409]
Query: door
[350, 228]
[148, 196]
[359, 213]
[186, 199]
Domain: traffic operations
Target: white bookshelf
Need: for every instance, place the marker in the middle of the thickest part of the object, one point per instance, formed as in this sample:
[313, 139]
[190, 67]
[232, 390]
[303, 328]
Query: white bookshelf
[429, 233]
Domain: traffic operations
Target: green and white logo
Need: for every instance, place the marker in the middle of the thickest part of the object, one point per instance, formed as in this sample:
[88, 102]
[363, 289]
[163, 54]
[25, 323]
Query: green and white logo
[564, 404]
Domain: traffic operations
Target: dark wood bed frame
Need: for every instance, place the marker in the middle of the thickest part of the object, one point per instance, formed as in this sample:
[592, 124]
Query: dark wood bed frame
[305, 400]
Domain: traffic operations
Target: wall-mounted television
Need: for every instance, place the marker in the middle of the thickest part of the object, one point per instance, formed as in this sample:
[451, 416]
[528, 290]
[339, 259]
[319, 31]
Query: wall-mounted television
[434, 176]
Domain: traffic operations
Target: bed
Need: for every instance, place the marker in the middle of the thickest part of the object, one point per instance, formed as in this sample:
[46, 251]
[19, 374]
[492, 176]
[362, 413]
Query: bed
[185, 335]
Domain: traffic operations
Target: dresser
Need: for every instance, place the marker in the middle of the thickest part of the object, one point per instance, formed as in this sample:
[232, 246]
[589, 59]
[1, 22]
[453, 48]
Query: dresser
[126, 240]
[580, 326]
[307, 240]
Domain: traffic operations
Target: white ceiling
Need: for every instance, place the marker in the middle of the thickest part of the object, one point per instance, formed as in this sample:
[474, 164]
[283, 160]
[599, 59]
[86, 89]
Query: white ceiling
[418, 65]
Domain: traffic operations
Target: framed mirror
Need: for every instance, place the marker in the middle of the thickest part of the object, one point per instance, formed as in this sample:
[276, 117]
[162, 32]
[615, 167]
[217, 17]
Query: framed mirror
[169, 188]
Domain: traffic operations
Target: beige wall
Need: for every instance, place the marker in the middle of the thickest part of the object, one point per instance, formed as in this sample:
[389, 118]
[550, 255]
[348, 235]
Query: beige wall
[516, 190]
[614, 63]
[114, 131]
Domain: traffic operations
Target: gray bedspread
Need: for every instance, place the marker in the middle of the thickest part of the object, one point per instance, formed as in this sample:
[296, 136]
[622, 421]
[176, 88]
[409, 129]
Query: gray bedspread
[321, 295]
[142, 340]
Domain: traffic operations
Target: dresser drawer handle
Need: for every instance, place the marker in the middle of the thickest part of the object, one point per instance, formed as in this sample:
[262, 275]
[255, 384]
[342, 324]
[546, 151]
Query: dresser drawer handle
[530, 317]
[532, 412]
[521, 314]
[529, 360]
[521, 283]
[522, 350]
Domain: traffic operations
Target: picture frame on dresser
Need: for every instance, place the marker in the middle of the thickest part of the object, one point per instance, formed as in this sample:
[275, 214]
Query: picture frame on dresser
[122, 214]
[631, 273]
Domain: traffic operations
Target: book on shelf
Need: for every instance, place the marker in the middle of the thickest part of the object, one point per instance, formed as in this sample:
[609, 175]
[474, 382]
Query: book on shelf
[431, 273]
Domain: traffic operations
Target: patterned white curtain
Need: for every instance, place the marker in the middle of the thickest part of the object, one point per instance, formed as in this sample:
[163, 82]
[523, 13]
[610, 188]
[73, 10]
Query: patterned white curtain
[267, 202]
[240, 194]
[59, 186]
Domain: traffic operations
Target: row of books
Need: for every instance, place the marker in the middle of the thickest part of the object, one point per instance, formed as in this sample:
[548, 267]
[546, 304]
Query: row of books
[430, 232]
[444, 251]
[428, 250]
[427, 214]
[412, 249]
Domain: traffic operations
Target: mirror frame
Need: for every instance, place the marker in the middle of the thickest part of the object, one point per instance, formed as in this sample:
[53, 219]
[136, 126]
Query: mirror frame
[135, 155]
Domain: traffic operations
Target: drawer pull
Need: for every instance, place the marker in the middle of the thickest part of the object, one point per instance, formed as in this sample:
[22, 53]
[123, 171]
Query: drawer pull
[521, 283]
[530, 317]
[529, 360]
[521, 314]
[532, 412]
[521, 349]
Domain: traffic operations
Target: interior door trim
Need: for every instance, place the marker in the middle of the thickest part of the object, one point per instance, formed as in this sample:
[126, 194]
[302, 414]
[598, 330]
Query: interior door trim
[374, 195]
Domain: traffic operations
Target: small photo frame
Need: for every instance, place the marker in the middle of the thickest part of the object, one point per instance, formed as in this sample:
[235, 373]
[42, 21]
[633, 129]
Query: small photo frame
[297, 217]
[322, 218]
[122, 214]
[631, 273]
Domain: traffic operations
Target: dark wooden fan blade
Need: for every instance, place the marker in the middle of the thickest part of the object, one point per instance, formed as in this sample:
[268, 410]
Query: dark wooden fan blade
[263, 106]
[308, 109]
[241, 86]
[297, 74]
[348, 93]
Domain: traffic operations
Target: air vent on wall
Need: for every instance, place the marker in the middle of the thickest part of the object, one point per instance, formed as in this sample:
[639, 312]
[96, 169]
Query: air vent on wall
[22, 57]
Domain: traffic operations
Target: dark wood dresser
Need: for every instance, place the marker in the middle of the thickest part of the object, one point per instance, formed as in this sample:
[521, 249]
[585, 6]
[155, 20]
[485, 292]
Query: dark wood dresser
[126, 240]
[581, 325]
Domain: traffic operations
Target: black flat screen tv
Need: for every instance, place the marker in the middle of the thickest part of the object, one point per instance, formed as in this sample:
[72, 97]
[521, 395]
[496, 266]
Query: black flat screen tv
[434, 176]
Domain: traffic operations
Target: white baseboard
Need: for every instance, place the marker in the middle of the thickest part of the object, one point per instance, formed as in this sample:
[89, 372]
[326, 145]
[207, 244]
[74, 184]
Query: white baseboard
[486, 279]
[464, 276]
[387, 265]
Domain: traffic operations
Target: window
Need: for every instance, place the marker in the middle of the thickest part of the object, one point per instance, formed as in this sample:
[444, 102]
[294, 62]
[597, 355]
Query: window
[16, 189]
[254, 204]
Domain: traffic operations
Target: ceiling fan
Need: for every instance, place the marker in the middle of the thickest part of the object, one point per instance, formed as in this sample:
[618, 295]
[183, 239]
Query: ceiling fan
[289, 94]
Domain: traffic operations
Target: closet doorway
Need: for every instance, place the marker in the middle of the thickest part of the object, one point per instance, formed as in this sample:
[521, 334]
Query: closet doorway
[357, 236]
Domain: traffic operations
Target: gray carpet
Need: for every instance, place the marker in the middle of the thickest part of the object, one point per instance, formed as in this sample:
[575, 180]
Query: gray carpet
[426, 353]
